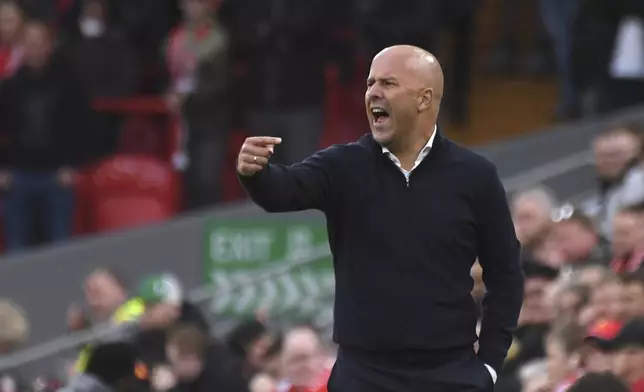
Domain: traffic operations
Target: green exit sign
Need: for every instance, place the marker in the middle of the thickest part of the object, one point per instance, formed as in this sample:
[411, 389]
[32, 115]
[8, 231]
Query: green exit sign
[238, 249]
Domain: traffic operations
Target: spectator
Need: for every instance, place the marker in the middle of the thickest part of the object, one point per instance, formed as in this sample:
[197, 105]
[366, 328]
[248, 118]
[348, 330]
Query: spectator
[106, 295]
[606, 302]
[578, 243]
[598, 382]
[634, 286]
[249, 342]
[99, 52]
[45, 111]
[617, 162]
[534, 323]
[201, 364]
[628, 357]
[282, 44]
[563, 348]
[567, 299]
[532, 212]
[11, 23]
[303, 362]
[197, 57]
[558, 18]
[595, 359]
[165, 307]
[111, 369]
[14, 330]
[628, 240]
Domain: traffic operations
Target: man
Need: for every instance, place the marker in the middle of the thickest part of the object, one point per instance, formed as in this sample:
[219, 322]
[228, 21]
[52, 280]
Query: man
[112, 368]
[44, 111]
[202, 365]
[303, 362]
[408, 211]
[628, 239]
[165, 306]
[579, 242]
[628, 353]
[634, 287]
[617, 153]
[532, 214]
[106, 296]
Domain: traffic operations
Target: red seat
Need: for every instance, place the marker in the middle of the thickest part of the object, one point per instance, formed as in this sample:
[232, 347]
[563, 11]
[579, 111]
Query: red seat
[132, 190]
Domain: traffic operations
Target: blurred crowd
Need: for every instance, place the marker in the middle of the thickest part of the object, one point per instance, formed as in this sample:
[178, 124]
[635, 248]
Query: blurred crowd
[583, 309]
[163, 342]
[260, 66]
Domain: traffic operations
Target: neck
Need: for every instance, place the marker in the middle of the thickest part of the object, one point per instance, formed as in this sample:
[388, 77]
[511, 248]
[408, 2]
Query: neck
[407, 150]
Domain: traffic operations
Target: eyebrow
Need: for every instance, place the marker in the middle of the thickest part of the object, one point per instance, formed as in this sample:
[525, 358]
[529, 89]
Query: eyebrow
[385, 79]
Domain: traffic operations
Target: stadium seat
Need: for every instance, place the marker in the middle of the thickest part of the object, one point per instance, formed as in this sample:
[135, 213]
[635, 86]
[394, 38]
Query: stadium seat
[139, 136]
[132, 190]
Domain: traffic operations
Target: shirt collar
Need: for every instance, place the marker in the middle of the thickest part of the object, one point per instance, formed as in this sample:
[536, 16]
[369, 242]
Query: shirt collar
[425, 149]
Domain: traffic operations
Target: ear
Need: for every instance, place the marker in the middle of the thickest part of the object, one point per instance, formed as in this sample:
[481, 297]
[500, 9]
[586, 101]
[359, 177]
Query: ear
[425, 99]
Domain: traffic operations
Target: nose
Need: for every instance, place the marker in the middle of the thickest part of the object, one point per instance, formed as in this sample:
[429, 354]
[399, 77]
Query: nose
[373, 93]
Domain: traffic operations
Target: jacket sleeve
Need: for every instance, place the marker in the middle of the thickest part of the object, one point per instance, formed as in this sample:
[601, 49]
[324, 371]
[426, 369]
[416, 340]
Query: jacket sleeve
[302, 186]
[499, 257]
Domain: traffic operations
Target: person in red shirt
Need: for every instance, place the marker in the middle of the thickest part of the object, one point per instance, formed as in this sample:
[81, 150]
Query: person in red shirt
[304, 364]
[628, 353]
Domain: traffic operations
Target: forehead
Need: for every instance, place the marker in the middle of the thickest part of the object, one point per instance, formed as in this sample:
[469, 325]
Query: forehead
[394, 66]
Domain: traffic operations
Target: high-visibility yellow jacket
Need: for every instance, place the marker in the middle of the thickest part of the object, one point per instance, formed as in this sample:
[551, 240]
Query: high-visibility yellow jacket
[129, 311]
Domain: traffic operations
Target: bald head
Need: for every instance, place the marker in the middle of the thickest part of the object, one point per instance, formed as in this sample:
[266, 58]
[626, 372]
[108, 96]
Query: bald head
[422, 67]
[404, 91]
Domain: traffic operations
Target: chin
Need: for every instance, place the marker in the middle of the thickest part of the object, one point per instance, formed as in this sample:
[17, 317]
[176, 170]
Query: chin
[381, 136]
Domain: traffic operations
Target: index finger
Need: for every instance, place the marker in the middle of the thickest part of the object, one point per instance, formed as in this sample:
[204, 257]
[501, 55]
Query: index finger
[265, 140]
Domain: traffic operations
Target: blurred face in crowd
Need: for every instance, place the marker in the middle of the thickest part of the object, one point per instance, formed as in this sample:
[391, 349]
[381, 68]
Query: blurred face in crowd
[625, 234]
[185, 366]
[608, 302]
[160, 315]
[37, 45]
[534, 310]
[103, 294]
[573, 240]
[10, 22]
[597, 361]
[566, 302]
[196, 10]
[591, 276]
[634, 300]
[531, 218]
[614, 152]
[92, 20]
[302, 357]
[628, 363]
[561, 364]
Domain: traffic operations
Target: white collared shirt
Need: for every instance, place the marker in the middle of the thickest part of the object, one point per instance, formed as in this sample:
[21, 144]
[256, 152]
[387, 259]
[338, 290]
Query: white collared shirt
[422, 155]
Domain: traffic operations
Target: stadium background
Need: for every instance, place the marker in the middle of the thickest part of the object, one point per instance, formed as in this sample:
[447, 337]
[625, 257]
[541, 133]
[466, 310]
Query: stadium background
[236, 261]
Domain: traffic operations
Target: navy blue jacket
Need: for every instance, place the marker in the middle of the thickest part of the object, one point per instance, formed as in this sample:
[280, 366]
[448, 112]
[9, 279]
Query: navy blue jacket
[403, 251]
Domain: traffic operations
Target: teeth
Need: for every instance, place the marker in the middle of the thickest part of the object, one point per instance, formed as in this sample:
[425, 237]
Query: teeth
[378, 111]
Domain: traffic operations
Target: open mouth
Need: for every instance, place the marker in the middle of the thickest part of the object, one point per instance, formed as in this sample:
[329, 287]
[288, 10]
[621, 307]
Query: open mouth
[380, 115]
